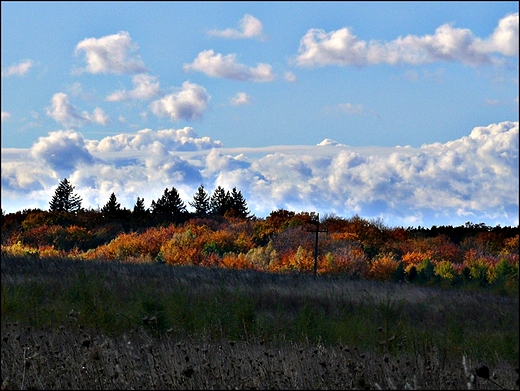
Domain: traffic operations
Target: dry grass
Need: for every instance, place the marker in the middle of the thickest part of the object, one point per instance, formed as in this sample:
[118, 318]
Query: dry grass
[71, 358]
[387, 335]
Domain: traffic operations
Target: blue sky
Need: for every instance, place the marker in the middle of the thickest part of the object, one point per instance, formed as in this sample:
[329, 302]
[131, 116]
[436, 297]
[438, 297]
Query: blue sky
[368, 108]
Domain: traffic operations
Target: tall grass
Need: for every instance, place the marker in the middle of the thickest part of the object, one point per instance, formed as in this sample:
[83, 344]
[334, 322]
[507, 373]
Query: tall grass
[351, 334]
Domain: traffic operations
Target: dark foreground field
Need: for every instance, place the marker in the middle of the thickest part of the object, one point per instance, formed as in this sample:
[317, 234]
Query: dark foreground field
[87, 325]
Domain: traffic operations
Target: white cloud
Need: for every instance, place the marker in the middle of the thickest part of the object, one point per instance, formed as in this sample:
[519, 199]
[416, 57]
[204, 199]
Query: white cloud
[97, 117]
[472, 178]
[328, 142]
[62, 111]
[5, 116]
[111, 54]
[349, 108]
[241, 98]
[290, 77]
[217, 65]
[189, 102]
[145, 87]
[62, 150]
[342, 47]
[504, 39]
[250, 27]
[18, 69]
[184, 139]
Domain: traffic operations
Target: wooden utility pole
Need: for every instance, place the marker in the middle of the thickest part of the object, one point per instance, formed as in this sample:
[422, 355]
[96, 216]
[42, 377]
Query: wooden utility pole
[317, 231]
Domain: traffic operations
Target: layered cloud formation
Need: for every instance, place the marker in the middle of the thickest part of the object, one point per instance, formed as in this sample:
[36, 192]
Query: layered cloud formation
[474, 178]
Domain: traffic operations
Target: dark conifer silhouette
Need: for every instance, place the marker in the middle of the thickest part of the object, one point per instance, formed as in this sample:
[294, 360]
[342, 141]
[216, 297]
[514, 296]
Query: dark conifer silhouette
[64, 200]
[139, 208]
[220, 201]
[112, 208]
[238, 205]
[170, 207]
[201, 202]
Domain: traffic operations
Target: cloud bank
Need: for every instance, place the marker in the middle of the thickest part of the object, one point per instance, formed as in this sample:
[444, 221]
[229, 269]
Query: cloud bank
[474, 178]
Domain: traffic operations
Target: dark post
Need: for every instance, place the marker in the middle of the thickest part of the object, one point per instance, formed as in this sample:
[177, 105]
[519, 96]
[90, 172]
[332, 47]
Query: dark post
[317, 231]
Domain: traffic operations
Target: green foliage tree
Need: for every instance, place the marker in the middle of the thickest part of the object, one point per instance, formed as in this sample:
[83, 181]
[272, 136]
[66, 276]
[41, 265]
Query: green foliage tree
[64, 200]
[201, 202]
[170, 207]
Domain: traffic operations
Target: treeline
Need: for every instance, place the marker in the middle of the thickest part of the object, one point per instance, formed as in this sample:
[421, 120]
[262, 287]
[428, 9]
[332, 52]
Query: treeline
[221, 232]
[167, 209]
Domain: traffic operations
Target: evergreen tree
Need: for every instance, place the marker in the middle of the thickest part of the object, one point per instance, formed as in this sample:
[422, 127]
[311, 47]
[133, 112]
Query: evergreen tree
[201, 202]
[112, 209]
[220, 201]
[140, 214]
[169, 207]
[139, 209]
[64, 200]
[238, 205]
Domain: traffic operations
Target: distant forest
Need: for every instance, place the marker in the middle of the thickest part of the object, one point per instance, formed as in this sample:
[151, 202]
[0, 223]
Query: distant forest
[221, 232]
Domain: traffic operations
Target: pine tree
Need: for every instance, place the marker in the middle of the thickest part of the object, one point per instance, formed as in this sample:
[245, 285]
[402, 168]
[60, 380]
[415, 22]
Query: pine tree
[169, 207]
[201, 202]
[139, 209]
[140, 215]
[238, 204]
[112, 208]
[64, 200]
[220, 201]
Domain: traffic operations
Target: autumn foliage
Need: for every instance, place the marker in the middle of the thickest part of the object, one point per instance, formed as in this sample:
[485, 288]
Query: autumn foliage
[283, 242]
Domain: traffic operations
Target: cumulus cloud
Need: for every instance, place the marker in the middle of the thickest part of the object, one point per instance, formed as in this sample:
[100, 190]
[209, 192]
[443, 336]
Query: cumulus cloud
[504, 39]
[5, 116]
[62, 111]
[18, 69]
[328, 142]
[241, 98]
[250, 27]
[342, 47]
[62, 150]
[217, 65]
[98, 117]
[111, 54]
[187, 103]
[145, 87]
[185, 139]
[474, 178]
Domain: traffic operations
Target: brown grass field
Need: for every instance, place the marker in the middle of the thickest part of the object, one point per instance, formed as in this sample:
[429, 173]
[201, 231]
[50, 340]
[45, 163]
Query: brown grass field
[69, 324]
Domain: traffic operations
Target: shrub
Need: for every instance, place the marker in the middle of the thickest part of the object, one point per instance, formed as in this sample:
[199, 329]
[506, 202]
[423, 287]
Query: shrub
[383, 268]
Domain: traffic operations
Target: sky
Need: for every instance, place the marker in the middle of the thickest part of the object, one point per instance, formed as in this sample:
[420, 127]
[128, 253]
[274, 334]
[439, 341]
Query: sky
[404, 112]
